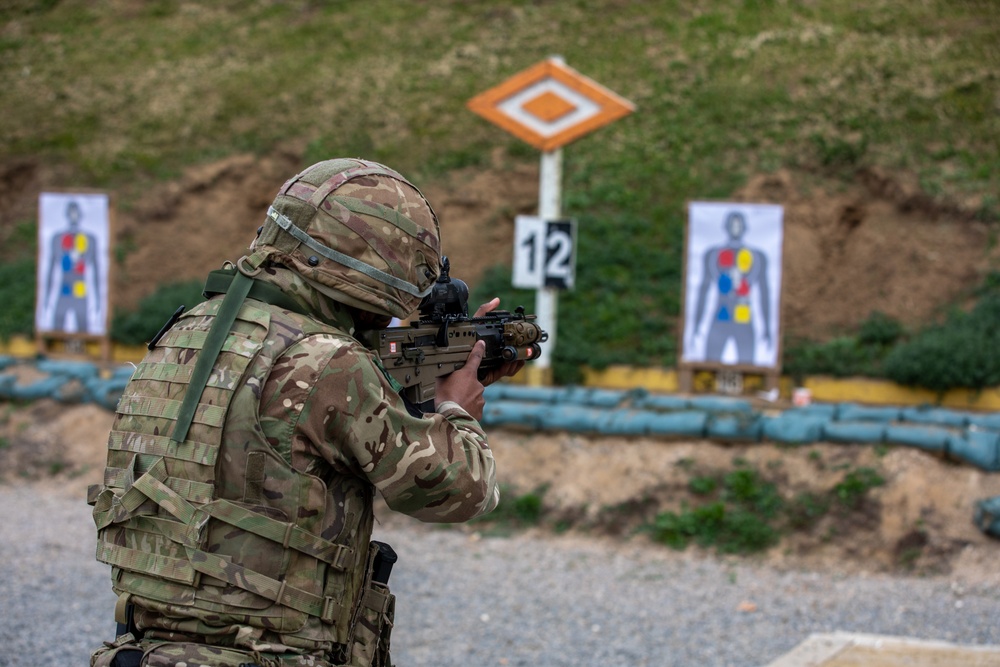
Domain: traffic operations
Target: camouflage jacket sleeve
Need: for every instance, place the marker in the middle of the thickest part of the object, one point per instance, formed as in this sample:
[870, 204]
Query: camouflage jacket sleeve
[437, 468]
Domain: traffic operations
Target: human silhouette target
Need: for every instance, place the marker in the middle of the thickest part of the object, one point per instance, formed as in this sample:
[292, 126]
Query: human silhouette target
[733, 283]
[73, 264]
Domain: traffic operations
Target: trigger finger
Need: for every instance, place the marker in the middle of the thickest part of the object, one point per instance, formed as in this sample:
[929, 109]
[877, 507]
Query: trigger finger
[476, 355]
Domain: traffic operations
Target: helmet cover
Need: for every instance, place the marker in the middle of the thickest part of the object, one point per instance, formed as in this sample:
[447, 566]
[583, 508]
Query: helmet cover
[358, 232]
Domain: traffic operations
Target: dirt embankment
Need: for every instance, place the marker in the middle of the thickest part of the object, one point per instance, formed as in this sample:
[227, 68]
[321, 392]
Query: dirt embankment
[918, 521]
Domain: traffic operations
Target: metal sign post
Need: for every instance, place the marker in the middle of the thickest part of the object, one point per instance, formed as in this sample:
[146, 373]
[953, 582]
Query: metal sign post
[547, 298]
[548, 106]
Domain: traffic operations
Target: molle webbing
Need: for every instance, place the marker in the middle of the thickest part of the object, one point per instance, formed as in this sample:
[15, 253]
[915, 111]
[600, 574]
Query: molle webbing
[180, 521]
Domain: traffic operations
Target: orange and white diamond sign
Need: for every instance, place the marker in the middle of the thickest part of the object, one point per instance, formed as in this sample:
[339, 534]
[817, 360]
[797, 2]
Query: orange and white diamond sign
[549, 105]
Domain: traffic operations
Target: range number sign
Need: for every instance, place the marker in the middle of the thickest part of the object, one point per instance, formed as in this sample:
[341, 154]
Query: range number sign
[544, 253]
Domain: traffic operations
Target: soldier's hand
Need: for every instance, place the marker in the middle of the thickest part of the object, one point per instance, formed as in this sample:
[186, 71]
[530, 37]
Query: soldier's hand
[487, 307]
[463, 386]
[508, 368]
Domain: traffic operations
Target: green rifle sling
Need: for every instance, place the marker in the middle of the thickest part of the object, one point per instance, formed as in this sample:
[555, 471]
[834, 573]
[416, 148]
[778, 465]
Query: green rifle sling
[235, 295]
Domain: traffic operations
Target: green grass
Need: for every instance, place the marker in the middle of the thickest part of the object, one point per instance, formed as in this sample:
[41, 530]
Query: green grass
[120, 97]
[138, 327]
[516, 511]
[17, 289]
[851, 491]
[745, 513]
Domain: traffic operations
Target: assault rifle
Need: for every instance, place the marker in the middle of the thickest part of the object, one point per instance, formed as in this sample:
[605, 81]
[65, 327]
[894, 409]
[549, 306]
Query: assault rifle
[440, 341]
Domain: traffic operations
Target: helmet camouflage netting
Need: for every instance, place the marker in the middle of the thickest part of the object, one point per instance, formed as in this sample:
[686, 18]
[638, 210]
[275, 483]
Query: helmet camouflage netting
[358, 232]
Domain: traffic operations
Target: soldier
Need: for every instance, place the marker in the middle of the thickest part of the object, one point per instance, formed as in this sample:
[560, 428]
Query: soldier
[246, 451]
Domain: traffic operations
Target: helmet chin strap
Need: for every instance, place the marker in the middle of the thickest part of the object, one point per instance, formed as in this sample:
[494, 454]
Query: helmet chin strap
[350, 262]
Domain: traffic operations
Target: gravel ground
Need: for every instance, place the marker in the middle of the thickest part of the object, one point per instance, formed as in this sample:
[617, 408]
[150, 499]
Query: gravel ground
[524, 600]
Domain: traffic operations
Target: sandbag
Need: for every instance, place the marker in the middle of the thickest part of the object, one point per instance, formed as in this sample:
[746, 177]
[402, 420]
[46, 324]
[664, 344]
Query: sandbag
[987, 516]
[825, 410]
[44, 388]
[860, 432]
[80, 370]
[852, 412]
[977, 448]
[988, 420]
[575, 418]
[720, 404]
[605, 398]
[624, 422]
[105, 392]
[794, 429]
[514, 413]
[935, 416]
[930, 438]
[743, 427]
[662, 402]
[519, 392]
[7, 382]
[685, 423]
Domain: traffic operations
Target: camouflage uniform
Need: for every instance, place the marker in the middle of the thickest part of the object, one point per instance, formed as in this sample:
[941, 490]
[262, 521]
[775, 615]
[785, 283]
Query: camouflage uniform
[238, 525]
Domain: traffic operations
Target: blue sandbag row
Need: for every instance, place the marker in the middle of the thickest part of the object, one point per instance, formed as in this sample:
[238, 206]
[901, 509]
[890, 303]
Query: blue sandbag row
[514, 392]
[584, 419]
[958, 435]
[967, 437]
[603, 398]
[44, 388]
[706, 403]
[67, 382]
[852, 412]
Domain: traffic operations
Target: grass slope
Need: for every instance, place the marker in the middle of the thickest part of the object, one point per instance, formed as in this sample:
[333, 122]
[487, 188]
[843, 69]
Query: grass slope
[125, 91]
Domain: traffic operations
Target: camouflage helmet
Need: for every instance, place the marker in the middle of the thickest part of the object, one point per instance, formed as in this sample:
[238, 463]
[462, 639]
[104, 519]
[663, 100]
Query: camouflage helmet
[356, 231]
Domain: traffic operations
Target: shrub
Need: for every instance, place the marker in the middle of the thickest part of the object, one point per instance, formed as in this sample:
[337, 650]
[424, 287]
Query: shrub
[139, 326]
[880, 330]
[806, 509]
[17, 293]
[729, 530]
[958, 353]
[749, 514]
[861, 354]
[515, 510]
[852, 490]
[739, 521]
[745, 488]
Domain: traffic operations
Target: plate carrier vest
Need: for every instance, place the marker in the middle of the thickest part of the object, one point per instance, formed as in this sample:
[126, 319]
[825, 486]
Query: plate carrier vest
[218, 529]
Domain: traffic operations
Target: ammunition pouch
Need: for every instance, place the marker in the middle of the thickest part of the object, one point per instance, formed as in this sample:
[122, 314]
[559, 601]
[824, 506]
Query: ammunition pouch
[376, 612]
